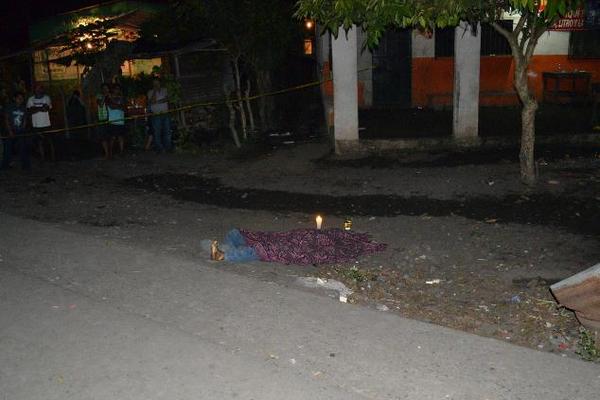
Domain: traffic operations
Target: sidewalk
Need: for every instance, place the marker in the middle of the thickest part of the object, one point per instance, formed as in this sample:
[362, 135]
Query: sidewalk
[82, 317]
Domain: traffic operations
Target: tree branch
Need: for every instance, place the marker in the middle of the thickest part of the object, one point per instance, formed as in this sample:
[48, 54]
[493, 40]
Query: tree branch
[535, 36]
[523, 30]
[504, 32]
[521, 23]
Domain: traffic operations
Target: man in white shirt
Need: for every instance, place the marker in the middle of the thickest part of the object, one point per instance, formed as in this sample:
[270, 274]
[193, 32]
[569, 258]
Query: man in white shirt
[39, 106]
[158, 100]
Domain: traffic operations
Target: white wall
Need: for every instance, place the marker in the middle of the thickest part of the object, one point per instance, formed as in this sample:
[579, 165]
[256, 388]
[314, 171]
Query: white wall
[422, 47]
[553, 43]
[550, 43]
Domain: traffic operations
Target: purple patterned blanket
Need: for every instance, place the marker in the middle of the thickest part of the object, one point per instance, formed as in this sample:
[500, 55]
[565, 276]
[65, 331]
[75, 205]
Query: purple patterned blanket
[311, 246]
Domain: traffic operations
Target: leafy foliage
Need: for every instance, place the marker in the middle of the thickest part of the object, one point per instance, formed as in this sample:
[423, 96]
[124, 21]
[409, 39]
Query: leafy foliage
[249, 29]
[85, 43]
[377, 15]
[257, 36]
[96, 48]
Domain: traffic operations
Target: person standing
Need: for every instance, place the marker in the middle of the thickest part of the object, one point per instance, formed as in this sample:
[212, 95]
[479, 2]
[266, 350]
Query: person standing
[159, 107]
[103, 129]
[15, 122]
[116, 117]
[76, 117]
[39, 106]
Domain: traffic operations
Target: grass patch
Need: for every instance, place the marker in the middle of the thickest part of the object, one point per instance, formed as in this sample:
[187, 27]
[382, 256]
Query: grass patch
[587, 347]
[357, 275]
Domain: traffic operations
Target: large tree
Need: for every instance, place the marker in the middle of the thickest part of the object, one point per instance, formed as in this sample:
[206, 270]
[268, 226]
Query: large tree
[95, 47]
[257, 36]
[536, 16]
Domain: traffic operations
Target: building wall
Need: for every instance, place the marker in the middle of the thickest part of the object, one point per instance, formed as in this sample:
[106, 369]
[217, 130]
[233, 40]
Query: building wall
[432, 77]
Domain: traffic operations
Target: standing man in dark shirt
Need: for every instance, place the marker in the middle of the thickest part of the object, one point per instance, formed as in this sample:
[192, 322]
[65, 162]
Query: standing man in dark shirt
[16, 123]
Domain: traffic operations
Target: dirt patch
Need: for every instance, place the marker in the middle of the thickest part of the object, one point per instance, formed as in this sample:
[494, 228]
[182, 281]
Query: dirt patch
[489, 248]
[575, 213]
[485, 306]
[508, 154]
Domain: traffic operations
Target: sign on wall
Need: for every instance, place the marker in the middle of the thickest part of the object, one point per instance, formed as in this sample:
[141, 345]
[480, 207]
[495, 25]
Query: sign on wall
[572, 21]
[585, 17]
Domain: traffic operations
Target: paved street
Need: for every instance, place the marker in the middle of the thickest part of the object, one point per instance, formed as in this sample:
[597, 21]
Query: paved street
[83, 317]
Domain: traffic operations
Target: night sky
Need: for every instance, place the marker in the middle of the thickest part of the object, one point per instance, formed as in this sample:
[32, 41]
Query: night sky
[15, 17]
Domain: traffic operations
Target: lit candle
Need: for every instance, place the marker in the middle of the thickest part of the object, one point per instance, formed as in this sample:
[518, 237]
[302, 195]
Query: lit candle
[348, 224]
[319, 221]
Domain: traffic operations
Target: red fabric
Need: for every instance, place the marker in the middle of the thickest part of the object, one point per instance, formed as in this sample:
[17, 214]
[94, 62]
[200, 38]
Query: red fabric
[311, 246]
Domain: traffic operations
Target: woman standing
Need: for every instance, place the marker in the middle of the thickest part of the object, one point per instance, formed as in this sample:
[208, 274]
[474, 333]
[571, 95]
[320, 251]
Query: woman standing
[116, 117]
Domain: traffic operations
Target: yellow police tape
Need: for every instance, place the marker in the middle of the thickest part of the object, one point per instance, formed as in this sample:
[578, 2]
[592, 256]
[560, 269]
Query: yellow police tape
[186, 107]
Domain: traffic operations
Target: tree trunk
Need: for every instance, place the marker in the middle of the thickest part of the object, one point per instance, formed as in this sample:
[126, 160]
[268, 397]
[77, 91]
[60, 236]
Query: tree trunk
[527, 154]
[249, 107]
[238, 92]
[523, 39]
[234, 133]
[265, 104]
[529, 103]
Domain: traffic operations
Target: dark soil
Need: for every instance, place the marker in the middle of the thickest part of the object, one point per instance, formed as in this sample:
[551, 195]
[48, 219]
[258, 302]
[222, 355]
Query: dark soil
[509, 154]
[551, 119]
[578, 214]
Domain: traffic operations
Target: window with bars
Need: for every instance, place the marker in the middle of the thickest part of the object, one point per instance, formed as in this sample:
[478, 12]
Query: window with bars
[492, 42]
[584, 44]
[444, 42]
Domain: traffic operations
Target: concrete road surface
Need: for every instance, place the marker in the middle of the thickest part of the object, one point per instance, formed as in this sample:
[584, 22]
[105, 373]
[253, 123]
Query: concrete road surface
[82, 317]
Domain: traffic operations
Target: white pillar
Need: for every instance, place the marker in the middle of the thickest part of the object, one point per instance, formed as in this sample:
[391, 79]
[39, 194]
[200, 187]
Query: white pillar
[345, 84]
[467, 48]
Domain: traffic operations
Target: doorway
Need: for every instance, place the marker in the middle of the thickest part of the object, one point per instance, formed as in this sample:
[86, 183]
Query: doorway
[392, 69]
